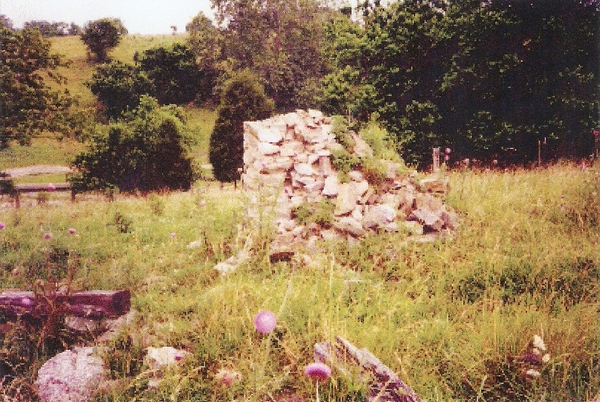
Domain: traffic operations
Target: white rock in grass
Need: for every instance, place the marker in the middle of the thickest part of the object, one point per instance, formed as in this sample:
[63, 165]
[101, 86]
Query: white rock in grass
[165, 356]
[71, 376]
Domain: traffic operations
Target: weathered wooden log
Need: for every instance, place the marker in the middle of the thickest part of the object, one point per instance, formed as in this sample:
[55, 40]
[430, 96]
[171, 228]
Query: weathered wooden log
[94, 304]
[385, 385]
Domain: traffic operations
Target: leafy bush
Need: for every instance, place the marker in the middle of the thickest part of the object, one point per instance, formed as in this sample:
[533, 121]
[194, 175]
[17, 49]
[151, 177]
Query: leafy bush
[344, 161]
[119, 87]
[145, 151]
[321, 213]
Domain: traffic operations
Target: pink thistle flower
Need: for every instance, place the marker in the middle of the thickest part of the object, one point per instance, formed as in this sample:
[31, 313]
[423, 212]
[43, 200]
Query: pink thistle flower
[446, 158]
[51, 187]
[173, 235]
[227, 377]
[318, 371]
[47, 236]
[2, 225]
[72, 231]
[447, 151]
[265, 321]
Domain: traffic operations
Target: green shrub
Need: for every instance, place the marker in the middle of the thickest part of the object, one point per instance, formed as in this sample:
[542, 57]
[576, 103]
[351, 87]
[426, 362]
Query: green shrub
[339, 128]
[374, 171]
[302, 213]
[343, 161]
[146, 151]
[321, 213]
[119, 87]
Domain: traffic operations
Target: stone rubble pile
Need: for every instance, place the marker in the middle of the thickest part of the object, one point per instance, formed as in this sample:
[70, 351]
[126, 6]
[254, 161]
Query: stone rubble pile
[288, 163]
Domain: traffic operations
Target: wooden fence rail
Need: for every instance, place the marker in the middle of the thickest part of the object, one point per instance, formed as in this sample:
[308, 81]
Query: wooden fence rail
[8, 187]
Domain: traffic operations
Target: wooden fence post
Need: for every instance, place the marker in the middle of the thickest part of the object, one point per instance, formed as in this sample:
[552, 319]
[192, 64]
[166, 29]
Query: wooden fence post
[436, 159]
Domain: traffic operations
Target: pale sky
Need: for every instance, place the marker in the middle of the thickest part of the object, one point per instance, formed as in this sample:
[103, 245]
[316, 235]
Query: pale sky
[139, 16]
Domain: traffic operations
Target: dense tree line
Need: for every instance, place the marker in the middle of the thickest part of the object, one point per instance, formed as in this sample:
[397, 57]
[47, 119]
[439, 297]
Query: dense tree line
[46, 28]
[491, 79]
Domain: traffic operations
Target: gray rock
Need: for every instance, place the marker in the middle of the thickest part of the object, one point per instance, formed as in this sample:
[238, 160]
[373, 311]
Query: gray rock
[331, 188]
[435, 185]
[266, 148]
[349, 225]
[71, 376]
[427, 219]
[379, 216]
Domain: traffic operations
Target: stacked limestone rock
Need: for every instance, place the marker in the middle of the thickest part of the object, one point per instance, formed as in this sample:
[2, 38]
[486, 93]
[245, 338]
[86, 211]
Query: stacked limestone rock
[288, 163]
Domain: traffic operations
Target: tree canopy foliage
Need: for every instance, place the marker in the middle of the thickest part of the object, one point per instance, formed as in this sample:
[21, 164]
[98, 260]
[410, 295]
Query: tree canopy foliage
[175, 74]
[487, 78]
[102, 35]
[280, 41]
[243, 99]
[119, 87]
[28, 104]
[50, 29]
[146, 150]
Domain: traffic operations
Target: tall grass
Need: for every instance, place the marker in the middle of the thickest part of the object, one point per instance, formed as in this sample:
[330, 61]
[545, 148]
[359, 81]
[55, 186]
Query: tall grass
[451, 318]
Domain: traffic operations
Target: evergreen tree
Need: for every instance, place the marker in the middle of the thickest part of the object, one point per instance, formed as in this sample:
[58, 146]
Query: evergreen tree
[243, 99]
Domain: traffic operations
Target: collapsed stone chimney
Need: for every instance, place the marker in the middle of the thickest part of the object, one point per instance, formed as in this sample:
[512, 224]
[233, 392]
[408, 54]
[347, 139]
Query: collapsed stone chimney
[291, 179]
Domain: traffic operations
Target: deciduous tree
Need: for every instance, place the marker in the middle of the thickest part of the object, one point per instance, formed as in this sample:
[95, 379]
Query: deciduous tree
[27, 104]
[102, 35]
[174, 72]
[119, 87]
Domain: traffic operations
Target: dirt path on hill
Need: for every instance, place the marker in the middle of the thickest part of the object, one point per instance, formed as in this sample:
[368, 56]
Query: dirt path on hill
[36, 170]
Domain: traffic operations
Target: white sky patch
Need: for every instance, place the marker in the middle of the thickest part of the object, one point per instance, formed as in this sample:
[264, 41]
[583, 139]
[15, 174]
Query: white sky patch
[139, 16]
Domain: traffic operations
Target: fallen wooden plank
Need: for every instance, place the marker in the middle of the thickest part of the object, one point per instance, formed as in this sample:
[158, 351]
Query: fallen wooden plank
[90, 304]
[385, 385]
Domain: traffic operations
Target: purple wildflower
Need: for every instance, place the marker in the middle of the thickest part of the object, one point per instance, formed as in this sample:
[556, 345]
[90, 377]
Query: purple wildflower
[318, 371]
[265, 322]
[72, 231]
[2, 225]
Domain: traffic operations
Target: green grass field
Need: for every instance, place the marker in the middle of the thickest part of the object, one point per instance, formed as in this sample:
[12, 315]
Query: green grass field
[451, 318]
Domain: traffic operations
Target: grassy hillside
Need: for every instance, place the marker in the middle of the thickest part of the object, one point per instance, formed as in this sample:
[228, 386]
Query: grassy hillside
[453, 319]
[81, 70]
[47, 150]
